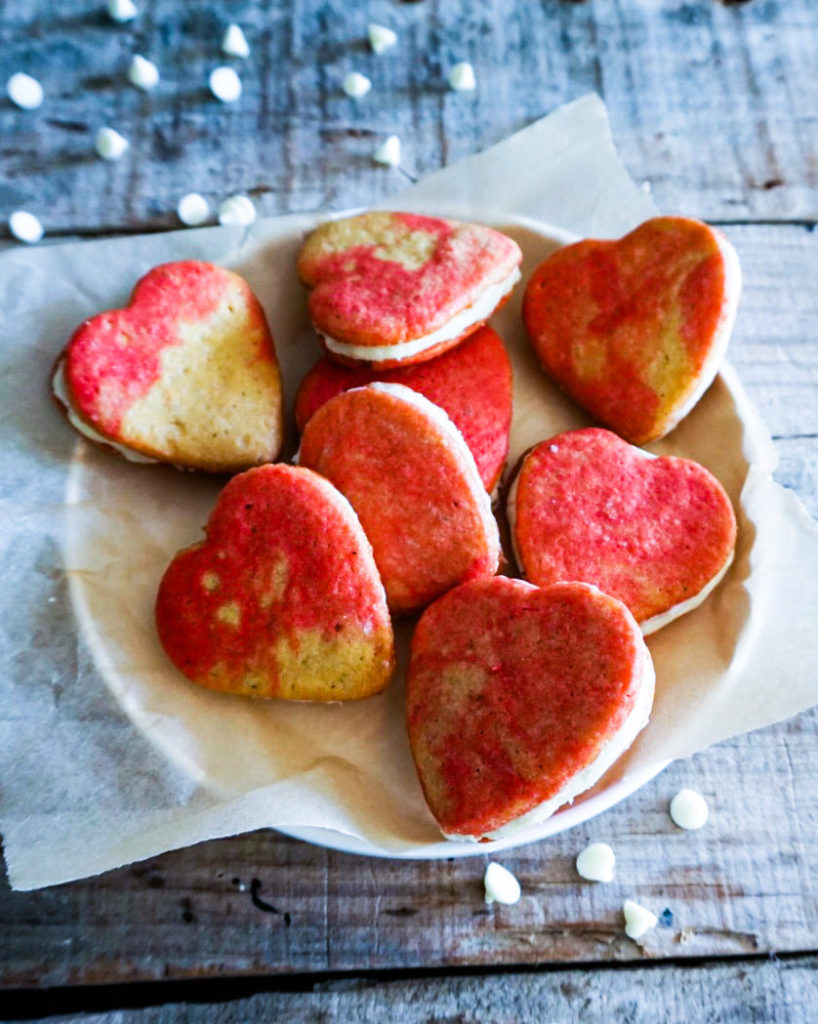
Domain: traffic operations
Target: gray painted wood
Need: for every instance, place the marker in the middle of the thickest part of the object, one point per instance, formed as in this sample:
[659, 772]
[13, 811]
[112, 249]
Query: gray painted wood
[744, 884]
[716, 105]
[773, 992]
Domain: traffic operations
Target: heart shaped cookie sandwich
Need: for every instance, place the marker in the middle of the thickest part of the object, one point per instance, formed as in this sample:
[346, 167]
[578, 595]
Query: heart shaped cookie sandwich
[186, 373]
[395, 288]
[282, 599]
[635, 330]
[414, 484]
[471, 383]
[518, 699]
[657, 533]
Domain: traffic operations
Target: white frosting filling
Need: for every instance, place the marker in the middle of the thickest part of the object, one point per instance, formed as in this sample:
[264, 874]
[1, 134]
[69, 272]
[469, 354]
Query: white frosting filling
[650, 625]
[612, 750]
[454, 438]
[481, 309]
[60, 389]
[655, 622]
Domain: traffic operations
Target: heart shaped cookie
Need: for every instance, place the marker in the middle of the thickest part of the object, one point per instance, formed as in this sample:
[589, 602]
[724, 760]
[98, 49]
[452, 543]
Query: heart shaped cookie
[413, 483]
[518, 699]
[635, 330]
[471, 383]
[282, 599]
[186, 374]
[657, 533]
[395, 288]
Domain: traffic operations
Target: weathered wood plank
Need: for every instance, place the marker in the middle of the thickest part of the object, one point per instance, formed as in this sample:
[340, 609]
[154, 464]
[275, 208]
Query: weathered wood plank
[742, 885]
[772, 992]
[774, 345]
[716, 105]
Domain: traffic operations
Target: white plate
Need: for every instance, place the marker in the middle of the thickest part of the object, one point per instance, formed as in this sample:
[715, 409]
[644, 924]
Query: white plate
[127, 521]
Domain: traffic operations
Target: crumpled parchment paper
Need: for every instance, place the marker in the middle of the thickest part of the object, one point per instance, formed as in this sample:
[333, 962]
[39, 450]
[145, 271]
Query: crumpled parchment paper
[108, 756]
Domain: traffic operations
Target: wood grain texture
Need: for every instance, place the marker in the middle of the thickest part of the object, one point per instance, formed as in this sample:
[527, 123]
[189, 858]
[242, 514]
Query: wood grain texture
[776, 992]
[745, 884]
[264, 904]
[773, 346]
[716, 105]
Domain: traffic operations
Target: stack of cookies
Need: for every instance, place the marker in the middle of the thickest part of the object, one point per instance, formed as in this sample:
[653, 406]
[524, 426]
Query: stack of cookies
[520, 693]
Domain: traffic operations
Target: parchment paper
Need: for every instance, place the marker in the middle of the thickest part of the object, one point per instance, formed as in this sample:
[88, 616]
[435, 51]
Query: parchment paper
[108, 756]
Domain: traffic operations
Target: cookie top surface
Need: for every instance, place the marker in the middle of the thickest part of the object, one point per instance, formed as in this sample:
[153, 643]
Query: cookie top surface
[634, 330]
[653, 532]
[512, 691]
[381, 280]
[471, 382]
[186, 373]
[413, 483]
[283, 598]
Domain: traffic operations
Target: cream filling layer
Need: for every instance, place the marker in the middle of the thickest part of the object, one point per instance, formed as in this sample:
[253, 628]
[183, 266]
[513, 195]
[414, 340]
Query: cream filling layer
[611, 751]
[455, 441]
[655, 622]
[60, 389]
[478, 311]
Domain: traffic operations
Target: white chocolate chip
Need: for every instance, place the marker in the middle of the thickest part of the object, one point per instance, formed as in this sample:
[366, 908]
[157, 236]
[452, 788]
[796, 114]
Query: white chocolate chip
[24, 91]
[596, 863]
[110, 144]
[234, 42]
[25, 227]
[143, 73]
[501, 885]
[356, 85]
[237, 210]
[193, 209]
[225, 84]
[461, 77]
[388, 152]
[381, 38]
[638, 920]
[122, 10]
[689, 809]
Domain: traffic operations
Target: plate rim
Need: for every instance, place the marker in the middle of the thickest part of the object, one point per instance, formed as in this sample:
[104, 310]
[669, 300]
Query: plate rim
[565, 818]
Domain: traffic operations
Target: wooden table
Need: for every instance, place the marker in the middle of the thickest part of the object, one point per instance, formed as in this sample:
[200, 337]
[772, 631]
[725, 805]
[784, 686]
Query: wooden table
[716, 106]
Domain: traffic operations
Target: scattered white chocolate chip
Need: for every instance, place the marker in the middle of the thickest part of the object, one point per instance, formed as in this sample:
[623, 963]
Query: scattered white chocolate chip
[356, 85]
[381, 38]
[234, 42]
[501, 885]
[24, 91]
[388, 152]
[122, 10]
[225, 84]
[596, 863]
[461, 77]
[689, 809]
[237, 210]
[25, 227]
[193, 209]
[143, 73]
[638, 920]
[110, 144]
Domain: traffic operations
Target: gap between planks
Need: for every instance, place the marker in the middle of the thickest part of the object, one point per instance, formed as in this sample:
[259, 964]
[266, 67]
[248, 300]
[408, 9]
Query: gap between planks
[31, 1004]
